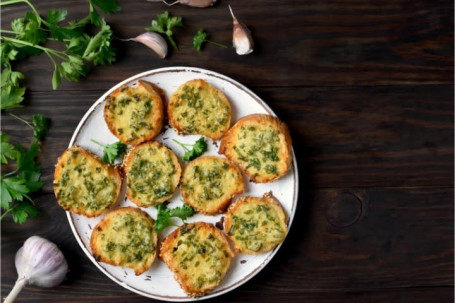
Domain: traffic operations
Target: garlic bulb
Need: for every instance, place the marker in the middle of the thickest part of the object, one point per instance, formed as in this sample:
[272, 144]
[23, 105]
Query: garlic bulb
[38, 262]
[154, 41]
[241, 37]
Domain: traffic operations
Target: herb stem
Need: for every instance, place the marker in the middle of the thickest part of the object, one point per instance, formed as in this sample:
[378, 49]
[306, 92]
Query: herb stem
[217, 44]
[6, 212]
[20, 119]
[7, 31]
[183, 145]
[96, 142]
[10, 2]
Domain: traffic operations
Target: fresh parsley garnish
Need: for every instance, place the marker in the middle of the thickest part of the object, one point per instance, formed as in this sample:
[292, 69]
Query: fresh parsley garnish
[112, 151]
[164, 25]
[198, 148]
[200, 37]
[164, 217]
[39, 124]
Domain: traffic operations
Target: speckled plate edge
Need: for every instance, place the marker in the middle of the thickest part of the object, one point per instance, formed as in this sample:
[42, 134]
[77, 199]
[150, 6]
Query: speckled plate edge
[294, 171]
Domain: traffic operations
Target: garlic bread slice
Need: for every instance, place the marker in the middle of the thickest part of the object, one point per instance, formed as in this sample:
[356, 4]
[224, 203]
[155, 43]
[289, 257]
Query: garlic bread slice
[255, 225]
[152, 173]
[83, 184]
[125, 237]
[209, 183]
[260, 145]
[135, 114]
[199, 255]
[196, 107]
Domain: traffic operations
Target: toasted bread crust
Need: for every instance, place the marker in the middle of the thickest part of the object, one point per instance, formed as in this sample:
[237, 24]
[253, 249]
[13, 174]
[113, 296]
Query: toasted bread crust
[83, 184]
[199, 255]
[125, 237]
[209, 183]
[260, 145]
[255, 225]
[152, 173]
[135, 114]
[197, 107]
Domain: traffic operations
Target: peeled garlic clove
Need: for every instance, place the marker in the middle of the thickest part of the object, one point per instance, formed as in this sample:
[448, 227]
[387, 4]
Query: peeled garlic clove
[154, 41]
[198, 3]
[241, 37]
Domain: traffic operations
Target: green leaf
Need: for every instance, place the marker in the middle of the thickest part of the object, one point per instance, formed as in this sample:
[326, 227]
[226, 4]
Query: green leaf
[198, 148]
[107, 6]
[183, 212]
[56, 79]
[112, 151]
[198, 39]
[5, 196]
[23, 210]
[95, 18]
[16, 187]
[26, 158]
[11, 97]
[164, 216]
[7, 149]
[99, 49]
[55, 16]
[164, 25]
[29, 29]
[40, 126]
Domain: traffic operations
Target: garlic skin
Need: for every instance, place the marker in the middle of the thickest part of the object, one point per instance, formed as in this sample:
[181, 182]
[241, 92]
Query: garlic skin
[241, 37]
[192, 3]
[38, 262]
[154, 41]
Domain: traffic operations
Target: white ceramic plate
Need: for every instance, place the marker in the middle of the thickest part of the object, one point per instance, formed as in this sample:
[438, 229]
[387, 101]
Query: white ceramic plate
[158, 282]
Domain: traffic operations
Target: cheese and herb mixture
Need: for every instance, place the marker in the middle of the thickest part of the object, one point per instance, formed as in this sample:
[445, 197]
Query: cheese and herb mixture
[256, 225]
[199, 255]
[152, 174]
[125, 237]
[209, 183]
[83, 184]
[199, 108]
[134, 114]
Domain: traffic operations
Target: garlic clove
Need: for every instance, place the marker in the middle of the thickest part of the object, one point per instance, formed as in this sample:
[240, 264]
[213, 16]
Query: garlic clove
[154, 41]
[241, 37]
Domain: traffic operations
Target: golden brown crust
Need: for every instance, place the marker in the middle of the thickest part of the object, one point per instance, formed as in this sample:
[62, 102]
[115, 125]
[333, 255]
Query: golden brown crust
[209, 183]
[255, 225]
[260, 145]
[125, 237]
[196, 107]
[152, 173]
[139, 119]
[83, 184]
[199, 255]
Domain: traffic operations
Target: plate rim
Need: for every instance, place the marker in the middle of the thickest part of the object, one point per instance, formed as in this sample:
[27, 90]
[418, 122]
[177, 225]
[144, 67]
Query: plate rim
[294, 170]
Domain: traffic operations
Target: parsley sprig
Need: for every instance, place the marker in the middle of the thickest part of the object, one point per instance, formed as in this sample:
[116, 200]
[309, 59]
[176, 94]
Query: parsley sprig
[111, 151]
[165, 215]
[200, 37]
[164, 24]
[198, 148]
[39, 124]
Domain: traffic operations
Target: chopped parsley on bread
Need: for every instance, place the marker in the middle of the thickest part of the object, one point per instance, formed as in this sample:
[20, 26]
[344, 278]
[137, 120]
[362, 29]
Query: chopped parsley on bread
[260, 145]
[135, 114]
[196, 107]
[209, 183]
[256, 225]
[125, 237]
[83, 184]
[152, 173]
[199, 255]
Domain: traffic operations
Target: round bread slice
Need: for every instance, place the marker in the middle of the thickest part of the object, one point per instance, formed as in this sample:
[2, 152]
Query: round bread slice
[199, 255]
[125, 237]
[197, 107]
[83, 184]
[135, 114]
[209, 183]
[152, 173]
[255, 225]
[260, 145]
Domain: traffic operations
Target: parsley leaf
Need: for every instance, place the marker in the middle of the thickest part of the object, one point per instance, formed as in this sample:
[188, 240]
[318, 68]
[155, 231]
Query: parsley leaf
[39, 124]
[164, 217]
[198, 148]
[22, 210]
[7, 150]
[112, 151]
[99, 49]
[200, 37]
[164, 25]
[107, 6]
[11, 92]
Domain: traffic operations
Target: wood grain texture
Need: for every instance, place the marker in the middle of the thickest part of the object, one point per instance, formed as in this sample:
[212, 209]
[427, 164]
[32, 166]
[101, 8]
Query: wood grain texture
[310, 43]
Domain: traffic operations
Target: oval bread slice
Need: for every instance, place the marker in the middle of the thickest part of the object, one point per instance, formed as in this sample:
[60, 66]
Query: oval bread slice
[152, 173]
[197, 107]
[255, 225]
[83, 184]
[260, 145]
[209, 183]
[125, 237]
[135, 114]
[199, 255]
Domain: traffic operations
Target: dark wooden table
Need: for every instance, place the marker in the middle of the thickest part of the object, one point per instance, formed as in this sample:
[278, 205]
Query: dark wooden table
[366, 88]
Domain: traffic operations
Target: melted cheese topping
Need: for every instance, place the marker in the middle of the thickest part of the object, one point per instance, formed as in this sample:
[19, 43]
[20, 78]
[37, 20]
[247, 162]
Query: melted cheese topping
[85, 185]
[209, 183]
[151, 177]
[256, 226]
[199, 257]
[127, 239]
[200, 109]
